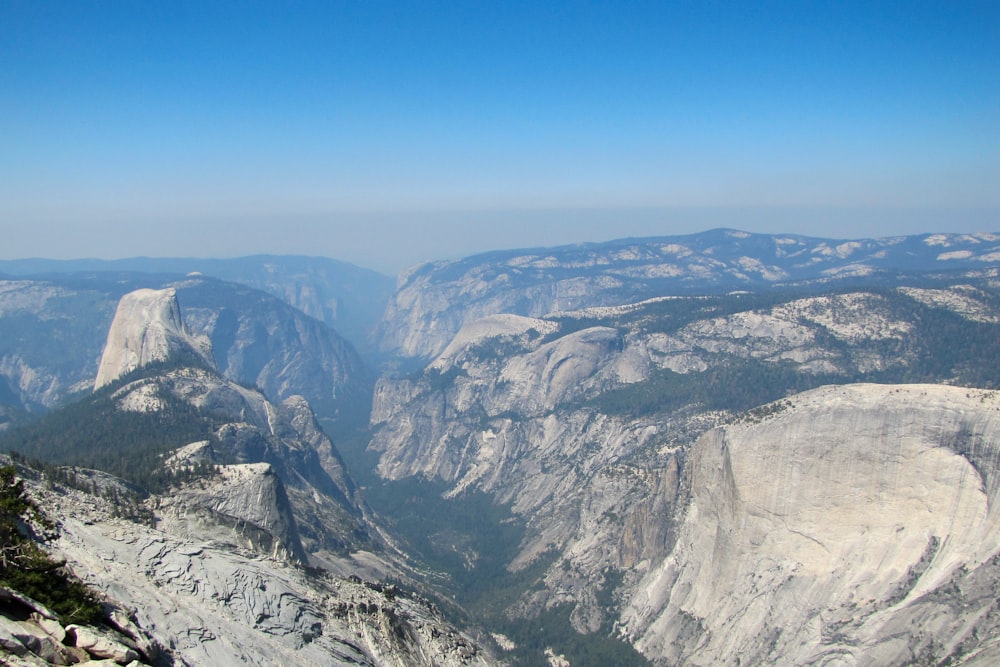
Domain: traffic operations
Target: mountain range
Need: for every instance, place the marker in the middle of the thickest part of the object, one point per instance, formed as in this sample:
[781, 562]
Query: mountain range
[722, 448]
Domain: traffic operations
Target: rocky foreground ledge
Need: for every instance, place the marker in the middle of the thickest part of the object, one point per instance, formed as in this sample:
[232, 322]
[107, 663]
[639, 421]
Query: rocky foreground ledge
[32, 634]
[180, 601]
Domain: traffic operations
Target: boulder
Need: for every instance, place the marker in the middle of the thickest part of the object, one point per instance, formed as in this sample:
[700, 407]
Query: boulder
[100, 645]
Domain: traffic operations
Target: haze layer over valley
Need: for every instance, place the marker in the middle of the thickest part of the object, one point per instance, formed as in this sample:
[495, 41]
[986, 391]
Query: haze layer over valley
[720, 448]
[556, 334]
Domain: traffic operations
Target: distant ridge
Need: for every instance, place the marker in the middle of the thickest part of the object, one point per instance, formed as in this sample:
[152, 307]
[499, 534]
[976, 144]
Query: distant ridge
[213, 266]
[421, 318]
[346, 297]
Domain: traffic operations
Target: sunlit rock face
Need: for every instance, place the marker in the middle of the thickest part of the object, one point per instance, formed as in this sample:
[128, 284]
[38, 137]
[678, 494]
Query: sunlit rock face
[261, 341]
[147, 328]
[244, 504]
[303, 468]
[206, 592]
[54, 333]
[530, 410]
[818, 531]
[214, 570]
[434, 301]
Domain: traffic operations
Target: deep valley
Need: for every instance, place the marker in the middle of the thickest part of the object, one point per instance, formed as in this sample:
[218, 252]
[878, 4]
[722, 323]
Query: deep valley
[715, 449]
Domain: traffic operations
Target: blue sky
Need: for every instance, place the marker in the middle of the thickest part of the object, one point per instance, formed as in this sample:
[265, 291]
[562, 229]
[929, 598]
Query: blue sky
[390, 132]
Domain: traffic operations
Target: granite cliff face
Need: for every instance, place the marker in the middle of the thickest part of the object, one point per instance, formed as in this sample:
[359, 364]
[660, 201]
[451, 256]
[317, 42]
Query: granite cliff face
[147, 328]
[208, 595]
[583, 422]
[287, 451]
[276, 347]
[820, 533]
[721, 448]
[433, 301]
[248, 499]
[345, 297]
[213, 570]
[53, 331]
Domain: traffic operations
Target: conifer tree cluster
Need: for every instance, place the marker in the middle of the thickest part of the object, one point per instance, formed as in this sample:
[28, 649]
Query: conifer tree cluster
[26, 568]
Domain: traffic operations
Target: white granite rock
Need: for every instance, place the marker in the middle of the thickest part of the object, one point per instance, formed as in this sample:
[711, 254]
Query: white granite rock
[837, 511]
[147, 327]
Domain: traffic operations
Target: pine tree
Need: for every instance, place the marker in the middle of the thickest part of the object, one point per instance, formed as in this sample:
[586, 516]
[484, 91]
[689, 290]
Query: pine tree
[26, 568]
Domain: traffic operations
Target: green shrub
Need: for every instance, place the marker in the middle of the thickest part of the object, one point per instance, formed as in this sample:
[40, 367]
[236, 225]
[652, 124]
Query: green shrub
[27, 569]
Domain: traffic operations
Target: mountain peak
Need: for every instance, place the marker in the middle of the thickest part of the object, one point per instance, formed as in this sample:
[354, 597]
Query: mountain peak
[147, 328]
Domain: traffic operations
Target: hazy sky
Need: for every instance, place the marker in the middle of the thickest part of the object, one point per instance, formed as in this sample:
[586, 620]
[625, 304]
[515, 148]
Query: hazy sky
[389, 132]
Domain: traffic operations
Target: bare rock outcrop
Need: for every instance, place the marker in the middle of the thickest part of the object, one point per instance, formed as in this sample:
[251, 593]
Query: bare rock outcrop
[582, 421]
[147, 327]
[261, 341]
[249, 499]
[434, 301]
[32, 634]
[213, 602]
[827, 526]
[296, 463]
[291, 460]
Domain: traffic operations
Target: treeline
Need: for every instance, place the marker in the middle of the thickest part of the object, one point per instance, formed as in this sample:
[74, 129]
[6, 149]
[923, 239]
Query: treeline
[552, 630]
[946, 347]
[471, 537]
[941, 347]
[735, 386]
[95, 433]
[26, 568]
